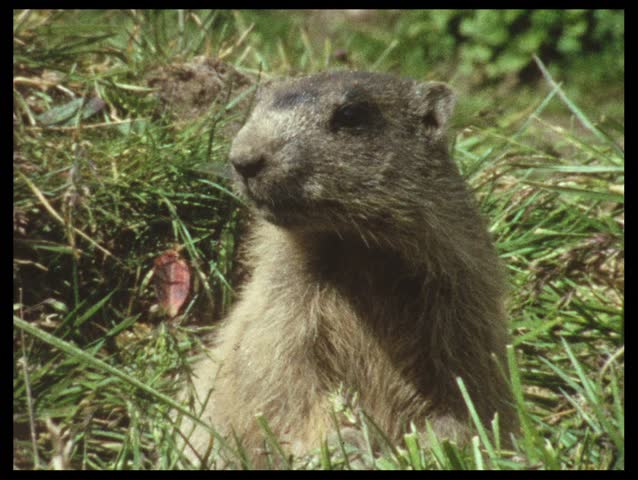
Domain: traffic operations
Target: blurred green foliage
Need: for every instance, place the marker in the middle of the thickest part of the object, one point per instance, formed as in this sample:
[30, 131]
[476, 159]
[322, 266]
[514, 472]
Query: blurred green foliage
[485, 45]
[493, 43]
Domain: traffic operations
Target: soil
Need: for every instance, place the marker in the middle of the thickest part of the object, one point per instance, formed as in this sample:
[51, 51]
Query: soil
[190, 90]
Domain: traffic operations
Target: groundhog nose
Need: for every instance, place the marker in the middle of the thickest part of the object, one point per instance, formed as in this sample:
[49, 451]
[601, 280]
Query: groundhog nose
[248, 166]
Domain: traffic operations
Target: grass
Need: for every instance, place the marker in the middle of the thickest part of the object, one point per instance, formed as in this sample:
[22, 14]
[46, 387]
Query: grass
[102, 190]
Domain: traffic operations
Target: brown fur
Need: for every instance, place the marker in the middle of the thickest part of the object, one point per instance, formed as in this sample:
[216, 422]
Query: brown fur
[371, 269]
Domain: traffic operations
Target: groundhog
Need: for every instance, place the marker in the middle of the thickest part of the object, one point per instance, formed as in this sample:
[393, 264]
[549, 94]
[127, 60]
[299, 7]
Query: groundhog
[372, 271]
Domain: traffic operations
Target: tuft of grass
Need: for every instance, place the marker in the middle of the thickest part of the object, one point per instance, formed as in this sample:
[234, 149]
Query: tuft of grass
[100, 190]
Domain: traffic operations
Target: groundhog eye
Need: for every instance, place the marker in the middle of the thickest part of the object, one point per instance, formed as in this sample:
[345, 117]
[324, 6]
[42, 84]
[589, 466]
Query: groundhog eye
[358, 115]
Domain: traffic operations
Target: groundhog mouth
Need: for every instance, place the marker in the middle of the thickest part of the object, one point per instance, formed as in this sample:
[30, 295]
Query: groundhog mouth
[284, 209]
[275, 204]
[283, 214]
[290, 207]
[300, 215]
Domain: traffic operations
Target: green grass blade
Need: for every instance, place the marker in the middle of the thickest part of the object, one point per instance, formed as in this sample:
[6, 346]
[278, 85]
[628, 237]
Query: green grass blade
[90, 360]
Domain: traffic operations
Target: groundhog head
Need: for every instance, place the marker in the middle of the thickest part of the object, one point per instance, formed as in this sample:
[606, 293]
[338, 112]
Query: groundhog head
[349, 152]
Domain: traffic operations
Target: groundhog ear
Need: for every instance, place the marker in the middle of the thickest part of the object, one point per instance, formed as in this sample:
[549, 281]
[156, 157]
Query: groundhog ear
[435, 105]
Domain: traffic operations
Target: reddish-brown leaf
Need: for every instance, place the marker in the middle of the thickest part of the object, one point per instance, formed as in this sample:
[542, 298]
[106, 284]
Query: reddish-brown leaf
[172, 278]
